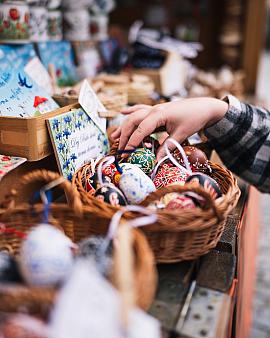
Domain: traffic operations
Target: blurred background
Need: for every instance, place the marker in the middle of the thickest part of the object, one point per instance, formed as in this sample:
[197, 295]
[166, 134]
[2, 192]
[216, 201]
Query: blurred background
[187, 48]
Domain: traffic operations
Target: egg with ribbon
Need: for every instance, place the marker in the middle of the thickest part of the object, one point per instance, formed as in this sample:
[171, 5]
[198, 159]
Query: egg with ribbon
[169, 176]
[168, 197]
[129, 168]
[180, 202]
[109, 193]
[93, 182]
[90, 249]
[109, 171]
[9, 271]
[144, 159]
[136, 185]
[196, 157]
[46, 257]
[207, 182]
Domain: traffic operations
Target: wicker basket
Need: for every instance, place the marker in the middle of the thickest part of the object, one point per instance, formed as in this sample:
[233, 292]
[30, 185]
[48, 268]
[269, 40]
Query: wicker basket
[65, 100]
[74, 219]
[113, 103]
[177, 236]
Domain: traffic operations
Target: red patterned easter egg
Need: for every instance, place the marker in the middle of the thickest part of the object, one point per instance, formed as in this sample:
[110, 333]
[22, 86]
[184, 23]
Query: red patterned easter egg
[168, 176]
[180, 202]
[109, 170]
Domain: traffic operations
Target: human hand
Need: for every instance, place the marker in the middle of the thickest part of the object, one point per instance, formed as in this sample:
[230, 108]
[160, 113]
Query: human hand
[181, 119]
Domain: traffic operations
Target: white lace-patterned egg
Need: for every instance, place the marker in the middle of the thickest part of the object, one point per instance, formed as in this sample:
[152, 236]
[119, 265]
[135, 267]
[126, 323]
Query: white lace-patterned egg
[46, 257]
[135, 184]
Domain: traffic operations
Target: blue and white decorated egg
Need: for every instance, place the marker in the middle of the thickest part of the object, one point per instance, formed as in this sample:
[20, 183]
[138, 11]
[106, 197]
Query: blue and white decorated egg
[135, 185]
[46, 257]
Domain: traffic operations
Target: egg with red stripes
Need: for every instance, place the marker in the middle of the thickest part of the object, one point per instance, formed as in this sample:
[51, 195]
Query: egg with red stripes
[169, 176]
[180, 202]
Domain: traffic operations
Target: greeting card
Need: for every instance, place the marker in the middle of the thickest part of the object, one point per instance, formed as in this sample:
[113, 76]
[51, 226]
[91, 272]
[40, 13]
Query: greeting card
[60, 55]
[20, 96]
[76, 139]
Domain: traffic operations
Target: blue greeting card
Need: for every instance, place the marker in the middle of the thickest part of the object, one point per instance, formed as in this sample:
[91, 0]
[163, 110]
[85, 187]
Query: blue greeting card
[20, 96]
[60, 54]
[76, 140]
[18, 55]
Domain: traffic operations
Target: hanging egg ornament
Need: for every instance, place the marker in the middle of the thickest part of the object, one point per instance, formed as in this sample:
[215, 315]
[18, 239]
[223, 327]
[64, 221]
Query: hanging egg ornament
[46, 257]
[207, 182]
[196, 157]
[144, 159]
[169, 197]
[116, 178]
[166, 164]
[110, 194]
[129, 168]
[90, 249]
[109, 171]
[9, 271]
[95, 184]
[136, 185]
[180, 202]
[169, 176]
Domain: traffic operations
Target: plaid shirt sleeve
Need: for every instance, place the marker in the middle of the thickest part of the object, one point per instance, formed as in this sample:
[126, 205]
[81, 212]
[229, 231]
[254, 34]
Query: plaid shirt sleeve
[242, 140]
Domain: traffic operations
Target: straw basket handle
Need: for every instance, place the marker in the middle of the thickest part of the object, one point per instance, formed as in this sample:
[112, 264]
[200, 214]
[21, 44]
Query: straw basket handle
[209, 201]
[45, 176]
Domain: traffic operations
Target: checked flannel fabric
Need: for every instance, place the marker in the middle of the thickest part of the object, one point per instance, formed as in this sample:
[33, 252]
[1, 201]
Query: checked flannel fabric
[242, 140]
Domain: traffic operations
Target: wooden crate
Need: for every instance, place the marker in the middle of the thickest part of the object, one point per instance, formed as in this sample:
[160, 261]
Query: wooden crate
[28, 137]
[170, 78]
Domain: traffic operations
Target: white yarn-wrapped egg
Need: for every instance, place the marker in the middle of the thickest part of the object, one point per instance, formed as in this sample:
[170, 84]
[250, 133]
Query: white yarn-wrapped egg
[46, 257]
[135, 184]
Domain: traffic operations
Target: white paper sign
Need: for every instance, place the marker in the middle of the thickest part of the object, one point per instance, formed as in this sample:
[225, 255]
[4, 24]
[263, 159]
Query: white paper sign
[92, 105]
[89, 307]
[39, 73]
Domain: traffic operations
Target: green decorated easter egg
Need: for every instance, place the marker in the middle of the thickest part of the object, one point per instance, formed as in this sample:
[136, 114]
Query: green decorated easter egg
[144, 159]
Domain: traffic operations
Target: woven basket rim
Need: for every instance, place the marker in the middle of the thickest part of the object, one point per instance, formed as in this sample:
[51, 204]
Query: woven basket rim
[224, 205]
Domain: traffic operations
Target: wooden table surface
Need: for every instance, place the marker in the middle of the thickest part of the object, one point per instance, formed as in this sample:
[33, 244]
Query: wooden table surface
[196, 299]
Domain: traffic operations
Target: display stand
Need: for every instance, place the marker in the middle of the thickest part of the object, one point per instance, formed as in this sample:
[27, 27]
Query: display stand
[224, 279]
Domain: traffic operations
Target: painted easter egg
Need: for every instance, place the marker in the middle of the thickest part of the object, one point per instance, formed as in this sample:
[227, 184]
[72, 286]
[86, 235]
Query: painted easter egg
[129, 168]
[207, 182]
[110, 194]
[168, 197]
[90, 249]
[9, 271]
[136, 186]
[46, 257]
[93, 183]
[144, 159]
[109, 171]
[169, 176]
[196, 157]
[180, 202]
[116, 178]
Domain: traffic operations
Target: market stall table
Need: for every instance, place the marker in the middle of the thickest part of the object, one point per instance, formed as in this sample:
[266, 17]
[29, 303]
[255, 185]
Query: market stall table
[205, 298]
